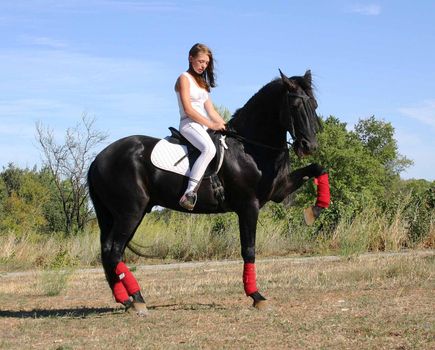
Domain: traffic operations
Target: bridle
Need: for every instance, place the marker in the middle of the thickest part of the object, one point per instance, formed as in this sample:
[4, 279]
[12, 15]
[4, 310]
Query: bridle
[304, 98]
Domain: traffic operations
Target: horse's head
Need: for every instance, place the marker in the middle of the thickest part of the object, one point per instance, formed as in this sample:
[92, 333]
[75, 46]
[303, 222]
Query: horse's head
[298, 113]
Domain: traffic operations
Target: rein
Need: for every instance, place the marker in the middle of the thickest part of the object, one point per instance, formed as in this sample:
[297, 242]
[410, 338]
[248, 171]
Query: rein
[241, 138]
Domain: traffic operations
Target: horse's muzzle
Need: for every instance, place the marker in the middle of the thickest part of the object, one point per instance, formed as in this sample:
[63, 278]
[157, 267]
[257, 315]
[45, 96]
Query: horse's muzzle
[305, 147]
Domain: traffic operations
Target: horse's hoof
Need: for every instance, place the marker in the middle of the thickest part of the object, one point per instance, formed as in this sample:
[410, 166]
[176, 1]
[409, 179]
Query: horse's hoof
[261, 305]
[140, 309]
[309, 216]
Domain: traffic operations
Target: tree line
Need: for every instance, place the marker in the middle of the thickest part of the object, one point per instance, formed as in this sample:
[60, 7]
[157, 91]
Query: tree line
[364, 165]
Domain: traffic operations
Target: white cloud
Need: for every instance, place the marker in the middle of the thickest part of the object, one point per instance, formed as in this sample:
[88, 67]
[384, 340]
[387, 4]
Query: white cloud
[50, 73]
[16, 129]
[424, 113]
[29, 110]
[143, 6]
[366, 10]
[43, 42]
[88, 6]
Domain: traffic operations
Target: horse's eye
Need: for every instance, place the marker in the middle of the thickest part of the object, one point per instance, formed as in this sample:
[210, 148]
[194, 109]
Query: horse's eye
[298, 102]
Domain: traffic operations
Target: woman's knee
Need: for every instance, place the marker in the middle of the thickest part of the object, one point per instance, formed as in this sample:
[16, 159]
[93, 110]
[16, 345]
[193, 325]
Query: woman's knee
[209, 151]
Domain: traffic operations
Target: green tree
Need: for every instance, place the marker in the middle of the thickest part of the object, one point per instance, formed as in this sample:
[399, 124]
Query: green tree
[53, 209]
[12, 177]
[3, 195]
[377, 137]
[28, 200]
[23, 200]
[3, 189]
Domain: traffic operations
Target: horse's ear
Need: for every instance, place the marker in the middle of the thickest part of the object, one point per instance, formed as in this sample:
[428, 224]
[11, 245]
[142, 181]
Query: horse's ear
[307, 77]
[291, 84]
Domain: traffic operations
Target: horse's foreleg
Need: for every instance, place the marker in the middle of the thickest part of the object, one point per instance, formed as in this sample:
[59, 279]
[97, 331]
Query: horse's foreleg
[124, 285]
[300, 176]
[248, 217]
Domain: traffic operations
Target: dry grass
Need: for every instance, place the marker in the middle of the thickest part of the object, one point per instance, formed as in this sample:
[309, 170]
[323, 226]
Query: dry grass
[367, 302]
[32, 250]
[173, 236]
[372, 231]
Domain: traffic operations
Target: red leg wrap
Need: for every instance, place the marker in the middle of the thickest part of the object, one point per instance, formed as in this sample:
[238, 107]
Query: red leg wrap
[119, 292]
[127, 278]
[323, 194]
[249, 278]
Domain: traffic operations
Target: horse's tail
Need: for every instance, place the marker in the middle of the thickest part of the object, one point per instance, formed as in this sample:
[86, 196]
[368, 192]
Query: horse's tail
[89, 181]
[104, 216]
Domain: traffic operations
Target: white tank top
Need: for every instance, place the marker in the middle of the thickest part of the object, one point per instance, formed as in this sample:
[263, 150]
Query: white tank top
[198, 96]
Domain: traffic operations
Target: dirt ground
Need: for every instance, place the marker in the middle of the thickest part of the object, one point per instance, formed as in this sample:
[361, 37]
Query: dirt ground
[367, 302]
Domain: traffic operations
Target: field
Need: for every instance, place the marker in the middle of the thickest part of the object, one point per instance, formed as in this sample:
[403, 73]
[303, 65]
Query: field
[372, 301]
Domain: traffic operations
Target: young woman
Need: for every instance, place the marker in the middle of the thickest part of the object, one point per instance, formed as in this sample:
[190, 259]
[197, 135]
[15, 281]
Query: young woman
[197, 114]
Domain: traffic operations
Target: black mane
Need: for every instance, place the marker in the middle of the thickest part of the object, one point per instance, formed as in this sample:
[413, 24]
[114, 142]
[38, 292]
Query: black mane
[307, 87]
[268, 92]
[258, 105]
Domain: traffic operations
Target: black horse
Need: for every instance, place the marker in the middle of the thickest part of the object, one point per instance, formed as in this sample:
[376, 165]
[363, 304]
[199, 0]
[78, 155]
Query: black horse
[124, 185]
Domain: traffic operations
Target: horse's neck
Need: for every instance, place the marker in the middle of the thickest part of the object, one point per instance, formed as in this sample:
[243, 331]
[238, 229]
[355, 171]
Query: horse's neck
[258, 121]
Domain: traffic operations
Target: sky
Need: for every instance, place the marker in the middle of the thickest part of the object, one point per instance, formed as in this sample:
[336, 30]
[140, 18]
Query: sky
[117, 61]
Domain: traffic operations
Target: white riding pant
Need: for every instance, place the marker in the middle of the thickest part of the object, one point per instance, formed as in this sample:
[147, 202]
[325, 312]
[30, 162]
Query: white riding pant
[197, 135]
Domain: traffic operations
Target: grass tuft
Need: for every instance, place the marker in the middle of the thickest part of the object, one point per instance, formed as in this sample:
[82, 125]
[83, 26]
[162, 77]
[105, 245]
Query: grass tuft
[53, 282]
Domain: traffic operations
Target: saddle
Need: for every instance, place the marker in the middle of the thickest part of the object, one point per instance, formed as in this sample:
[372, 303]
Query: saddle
[176, 154]
[192, 154]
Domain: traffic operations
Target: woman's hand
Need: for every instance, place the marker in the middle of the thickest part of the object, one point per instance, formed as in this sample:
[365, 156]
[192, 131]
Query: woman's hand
[217, 125]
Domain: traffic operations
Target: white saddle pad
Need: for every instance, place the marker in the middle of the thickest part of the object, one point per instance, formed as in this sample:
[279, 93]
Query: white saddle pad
[173, 158]
[166, 156]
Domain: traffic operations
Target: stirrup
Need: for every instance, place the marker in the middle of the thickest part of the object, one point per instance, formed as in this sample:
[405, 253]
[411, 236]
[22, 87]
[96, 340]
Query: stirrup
[188, 200]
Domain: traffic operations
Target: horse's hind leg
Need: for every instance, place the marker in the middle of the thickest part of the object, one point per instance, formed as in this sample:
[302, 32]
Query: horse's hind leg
[124, 286]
